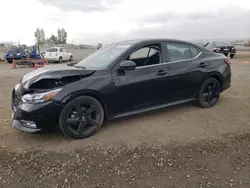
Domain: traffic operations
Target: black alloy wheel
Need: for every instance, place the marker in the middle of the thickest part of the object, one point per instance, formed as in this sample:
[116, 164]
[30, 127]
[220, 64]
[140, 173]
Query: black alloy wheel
[81, 118]
[209, 93]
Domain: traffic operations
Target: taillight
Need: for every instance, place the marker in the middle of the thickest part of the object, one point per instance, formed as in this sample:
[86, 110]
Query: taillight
[228, 61]
[217, 49]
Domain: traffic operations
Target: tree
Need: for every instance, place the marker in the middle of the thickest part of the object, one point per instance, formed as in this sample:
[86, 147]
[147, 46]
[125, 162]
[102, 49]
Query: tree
[52, 39]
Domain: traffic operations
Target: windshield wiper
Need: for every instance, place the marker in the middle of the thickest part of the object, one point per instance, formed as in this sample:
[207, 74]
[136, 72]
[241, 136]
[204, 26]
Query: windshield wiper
[77, 66]
[80, 67]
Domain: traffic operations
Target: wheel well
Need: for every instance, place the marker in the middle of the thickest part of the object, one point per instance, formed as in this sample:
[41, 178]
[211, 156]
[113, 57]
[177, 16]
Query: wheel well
[100, 101]
[218, 78]
[98, 98]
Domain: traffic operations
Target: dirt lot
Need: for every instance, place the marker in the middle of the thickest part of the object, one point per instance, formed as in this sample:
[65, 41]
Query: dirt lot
[183, 146]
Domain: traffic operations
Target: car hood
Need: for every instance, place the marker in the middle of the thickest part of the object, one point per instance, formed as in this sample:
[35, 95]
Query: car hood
[50, 72]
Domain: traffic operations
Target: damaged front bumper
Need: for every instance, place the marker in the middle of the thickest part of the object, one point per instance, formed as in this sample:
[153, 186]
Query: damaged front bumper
[25, 127]
[34, 117]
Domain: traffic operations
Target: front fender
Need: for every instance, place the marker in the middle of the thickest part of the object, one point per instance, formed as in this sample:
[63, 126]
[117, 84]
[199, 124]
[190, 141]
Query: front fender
[85, 92]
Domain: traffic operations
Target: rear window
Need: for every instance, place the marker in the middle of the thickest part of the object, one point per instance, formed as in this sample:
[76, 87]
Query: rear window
[52, 50]
[16, 50]
[178, 51]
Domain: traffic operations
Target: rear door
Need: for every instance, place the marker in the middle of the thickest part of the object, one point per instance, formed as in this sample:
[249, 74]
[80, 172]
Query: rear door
[186, 70]
[61, 53]
[66, 54]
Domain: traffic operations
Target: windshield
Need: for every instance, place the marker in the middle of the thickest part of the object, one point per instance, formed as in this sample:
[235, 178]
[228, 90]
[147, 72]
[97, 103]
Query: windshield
[103, 57]
[52, 50]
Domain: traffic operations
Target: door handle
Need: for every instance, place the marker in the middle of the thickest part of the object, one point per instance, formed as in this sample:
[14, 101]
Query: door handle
[202, 65]
[161, 73]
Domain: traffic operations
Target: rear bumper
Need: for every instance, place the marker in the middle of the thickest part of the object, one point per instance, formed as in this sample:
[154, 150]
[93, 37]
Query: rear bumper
[12, 58]
[51, 58]
[227, 78]
[226, 52]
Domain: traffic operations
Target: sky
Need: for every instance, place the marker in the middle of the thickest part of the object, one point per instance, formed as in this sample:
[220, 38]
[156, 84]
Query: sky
[106, 21]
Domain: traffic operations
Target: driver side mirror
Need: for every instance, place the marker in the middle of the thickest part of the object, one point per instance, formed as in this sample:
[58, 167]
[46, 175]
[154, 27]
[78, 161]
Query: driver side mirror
[127, 65]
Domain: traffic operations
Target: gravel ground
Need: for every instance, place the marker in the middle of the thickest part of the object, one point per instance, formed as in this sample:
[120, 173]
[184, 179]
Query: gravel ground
[182, 146]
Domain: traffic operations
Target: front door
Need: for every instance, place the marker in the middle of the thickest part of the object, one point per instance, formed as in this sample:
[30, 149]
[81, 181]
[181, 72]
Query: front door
[141, 87]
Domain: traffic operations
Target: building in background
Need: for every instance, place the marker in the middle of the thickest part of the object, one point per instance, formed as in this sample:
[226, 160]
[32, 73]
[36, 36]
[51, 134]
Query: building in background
[40, 36]
[62, 36]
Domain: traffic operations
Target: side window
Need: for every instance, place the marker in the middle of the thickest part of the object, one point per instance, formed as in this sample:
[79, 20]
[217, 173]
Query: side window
[60, 50]
[145, 56]
[141, 53]
[194, 51]
[178, 51]
[152, 51]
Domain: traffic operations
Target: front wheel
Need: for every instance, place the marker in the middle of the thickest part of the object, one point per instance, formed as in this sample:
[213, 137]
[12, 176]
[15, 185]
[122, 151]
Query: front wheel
[9, 61]
[81, 117]
[231, 55]
[71, 58]
[209, 93]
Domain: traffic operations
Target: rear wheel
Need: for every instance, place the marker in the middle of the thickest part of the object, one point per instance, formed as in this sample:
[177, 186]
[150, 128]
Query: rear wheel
[81, 118]
[209, 93]
[226, 54]
[231, 55]
[60, 60]
[71, 58]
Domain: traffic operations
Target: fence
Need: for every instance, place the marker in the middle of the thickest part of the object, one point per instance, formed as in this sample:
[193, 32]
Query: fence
[30, 62]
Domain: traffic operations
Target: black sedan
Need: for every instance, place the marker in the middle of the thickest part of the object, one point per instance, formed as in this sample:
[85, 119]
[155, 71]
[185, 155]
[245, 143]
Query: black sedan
[118, 80]
[222, 47]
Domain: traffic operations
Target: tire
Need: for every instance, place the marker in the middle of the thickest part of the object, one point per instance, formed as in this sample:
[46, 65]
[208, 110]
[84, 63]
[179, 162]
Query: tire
[226, 54]
[71, 58]
[209, 93]
[76, 117]
[9, 61]
[231, 56]
[60, 60]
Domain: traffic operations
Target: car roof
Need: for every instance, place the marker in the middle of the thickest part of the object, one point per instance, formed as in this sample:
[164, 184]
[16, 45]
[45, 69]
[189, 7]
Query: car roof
[149, 40]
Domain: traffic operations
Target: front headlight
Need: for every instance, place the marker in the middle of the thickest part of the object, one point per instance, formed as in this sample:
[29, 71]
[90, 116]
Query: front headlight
[40, 97]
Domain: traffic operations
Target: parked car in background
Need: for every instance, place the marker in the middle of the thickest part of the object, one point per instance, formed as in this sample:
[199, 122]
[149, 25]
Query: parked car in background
[99, 46]
[118, 80]
[58, 54]
[17, 53]
[222, 47]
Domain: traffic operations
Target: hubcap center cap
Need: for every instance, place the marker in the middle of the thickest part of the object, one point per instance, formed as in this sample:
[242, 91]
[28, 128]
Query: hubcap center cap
[83, 119]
